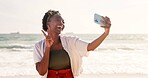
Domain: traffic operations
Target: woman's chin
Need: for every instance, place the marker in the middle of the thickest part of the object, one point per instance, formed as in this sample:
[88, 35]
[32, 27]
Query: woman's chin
[59, 32]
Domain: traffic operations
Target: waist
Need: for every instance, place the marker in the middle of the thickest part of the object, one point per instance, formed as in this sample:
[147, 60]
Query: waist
[60, 71]
[65, 73]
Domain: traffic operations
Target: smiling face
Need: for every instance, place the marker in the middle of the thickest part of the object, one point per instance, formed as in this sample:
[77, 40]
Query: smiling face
[56, 24]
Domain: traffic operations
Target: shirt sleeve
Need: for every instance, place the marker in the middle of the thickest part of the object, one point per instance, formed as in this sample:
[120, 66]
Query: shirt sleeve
[36, 53]
[81, 47]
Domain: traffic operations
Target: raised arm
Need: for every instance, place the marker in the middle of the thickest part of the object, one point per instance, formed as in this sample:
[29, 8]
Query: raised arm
[94, 44]
[42, 66]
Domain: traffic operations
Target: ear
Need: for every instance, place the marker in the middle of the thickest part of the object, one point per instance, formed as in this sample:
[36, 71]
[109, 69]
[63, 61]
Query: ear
[48, 27]
[48, 24]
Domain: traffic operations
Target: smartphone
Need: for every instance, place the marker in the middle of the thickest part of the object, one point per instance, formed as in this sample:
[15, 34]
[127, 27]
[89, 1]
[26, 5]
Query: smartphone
[98, 18]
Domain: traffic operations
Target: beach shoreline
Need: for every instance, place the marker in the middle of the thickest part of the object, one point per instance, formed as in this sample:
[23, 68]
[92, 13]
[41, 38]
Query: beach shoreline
[115, 58]
[90, 76]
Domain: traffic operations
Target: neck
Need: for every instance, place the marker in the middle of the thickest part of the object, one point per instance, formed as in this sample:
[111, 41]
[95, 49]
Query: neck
[55, 38]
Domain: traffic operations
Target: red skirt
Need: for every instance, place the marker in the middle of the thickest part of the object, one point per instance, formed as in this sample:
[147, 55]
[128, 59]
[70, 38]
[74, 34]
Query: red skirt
[67, 73]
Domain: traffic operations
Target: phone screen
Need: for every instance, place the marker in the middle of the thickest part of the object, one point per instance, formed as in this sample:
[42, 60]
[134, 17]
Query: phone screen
[98, 18]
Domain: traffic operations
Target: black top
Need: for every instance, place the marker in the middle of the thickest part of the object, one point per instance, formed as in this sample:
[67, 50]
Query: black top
[59, 59]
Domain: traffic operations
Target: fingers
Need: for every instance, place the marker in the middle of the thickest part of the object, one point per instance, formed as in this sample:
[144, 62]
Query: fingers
[106, 21]
[103, 18]
[103, 22]
[44, 33]
[46, 36]
[105, 26]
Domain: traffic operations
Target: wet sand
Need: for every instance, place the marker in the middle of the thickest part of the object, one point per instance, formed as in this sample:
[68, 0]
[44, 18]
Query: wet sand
[92, 76]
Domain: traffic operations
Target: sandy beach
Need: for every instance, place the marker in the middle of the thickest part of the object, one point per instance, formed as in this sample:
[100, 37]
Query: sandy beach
[113, 76]
[91, 76]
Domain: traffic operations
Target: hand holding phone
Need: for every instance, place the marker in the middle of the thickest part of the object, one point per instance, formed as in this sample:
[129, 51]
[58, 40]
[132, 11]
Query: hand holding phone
[98, 18]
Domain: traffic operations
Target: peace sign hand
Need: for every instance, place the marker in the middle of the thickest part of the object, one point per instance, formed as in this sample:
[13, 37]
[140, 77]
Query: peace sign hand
[49, 40]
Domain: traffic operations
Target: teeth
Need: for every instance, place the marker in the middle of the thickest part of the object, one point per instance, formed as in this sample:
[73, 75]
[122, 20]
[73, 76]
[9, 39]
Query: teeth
[59, 26]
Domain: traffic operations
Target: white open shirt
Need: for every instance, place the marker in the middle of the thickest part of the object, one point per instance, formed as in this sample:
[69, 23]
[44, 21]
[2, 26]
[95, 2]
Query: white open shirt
[75, 47]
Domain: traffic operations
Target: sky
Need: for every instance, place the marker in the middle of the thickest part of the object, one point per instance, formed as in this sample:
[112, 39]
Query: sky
[25, 16]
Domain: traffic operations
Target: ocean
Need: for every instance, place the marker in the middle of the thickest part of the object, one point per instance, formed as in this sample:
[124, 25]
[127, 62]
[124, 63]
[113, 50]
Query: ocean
[119, 53]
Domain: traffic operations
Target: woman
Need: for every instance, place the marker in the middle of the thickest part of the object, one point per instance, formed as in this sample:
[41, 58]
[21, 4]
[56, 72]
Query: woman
[61, 56]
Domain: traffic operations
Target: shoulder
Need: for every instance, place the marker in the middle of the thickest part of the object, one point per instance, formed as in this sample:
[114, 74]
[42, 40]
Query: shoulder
[39, 43]
[69, 37]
